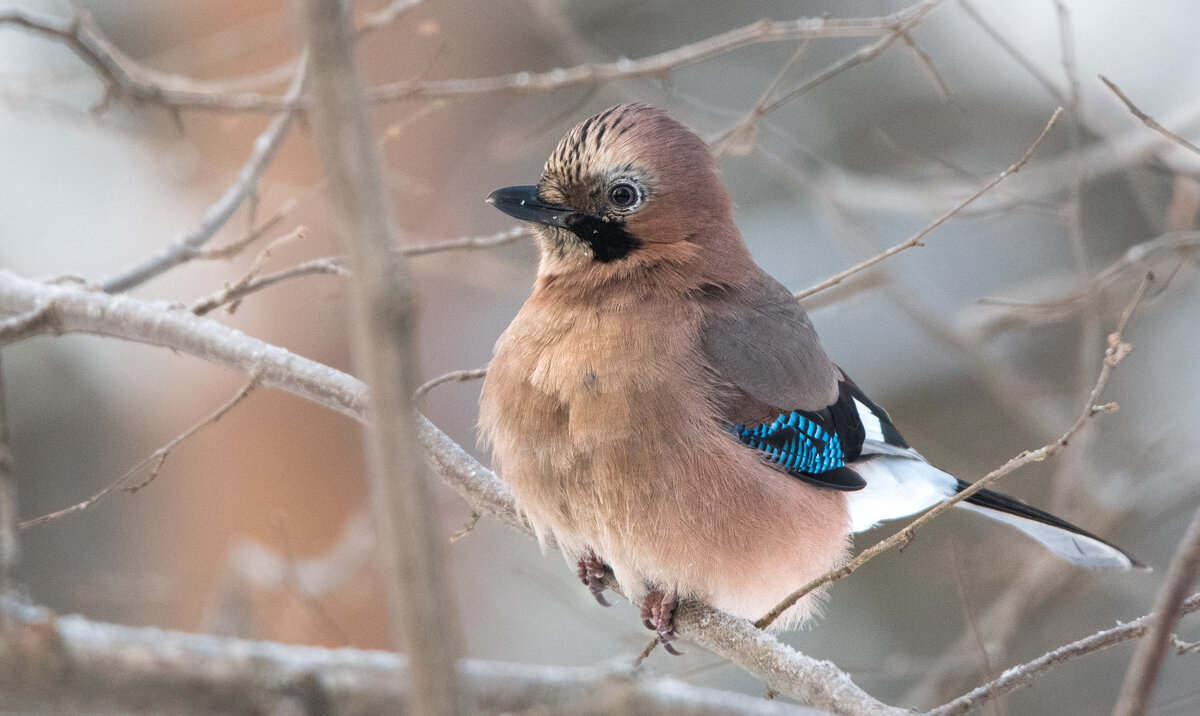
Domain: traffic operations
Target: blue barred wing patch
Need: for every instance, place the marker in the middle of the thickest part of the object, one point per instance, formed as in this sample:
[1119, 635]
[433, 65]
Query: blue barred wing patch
[796, 443]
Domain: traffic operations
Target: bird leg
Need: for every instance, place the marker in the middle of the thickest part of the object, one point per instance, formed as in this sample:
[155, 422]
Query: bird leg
[592, 571]
[658, 614]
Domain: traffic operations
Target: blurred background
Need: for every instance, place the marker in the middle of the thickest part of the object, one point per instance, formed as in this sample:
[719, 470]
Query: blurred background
[982, 343]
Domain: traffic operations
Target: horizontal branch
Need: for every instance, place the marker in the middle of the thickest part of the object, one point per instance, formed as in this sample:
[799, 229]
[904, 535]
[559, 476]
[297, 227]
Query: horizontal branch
[71, 664]
[77, 310]
[126, 78]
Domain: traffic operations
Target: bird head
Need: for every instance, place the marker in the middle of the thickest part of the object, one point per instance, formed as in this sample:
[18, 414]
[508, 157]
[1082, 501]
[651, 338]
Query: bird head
[625, 189]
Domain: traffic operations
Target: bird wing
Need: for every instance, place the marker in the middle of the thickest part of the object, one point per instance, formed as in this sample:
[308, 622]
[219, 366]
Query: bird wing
[797, 408]
[803, 413]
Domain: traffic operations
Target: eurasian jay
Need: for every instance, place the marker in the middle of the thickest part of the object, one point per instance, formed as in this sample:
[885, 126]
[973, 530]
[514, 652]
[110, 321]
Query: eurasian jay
[662, 407]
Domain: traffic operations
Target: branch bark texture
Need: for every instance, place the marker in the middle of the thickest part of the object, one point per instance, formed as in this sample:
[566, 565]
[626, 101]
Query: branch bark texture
[71, 664]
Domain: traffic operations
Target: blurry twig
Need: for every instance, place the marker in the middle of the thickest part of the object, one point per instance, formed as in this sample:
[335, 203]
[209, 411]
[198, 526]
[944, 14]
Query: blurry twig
[1024, 674]
[252, 282]
[929, 66]
[384, 15]
[10, 551]
[1113, 355]
[1168, 609]
[915, 240]
[1137, 258]
[296, 585]
[184, 93]
[186, 247]
[1147, 119]
[158, 457]
[903, 22]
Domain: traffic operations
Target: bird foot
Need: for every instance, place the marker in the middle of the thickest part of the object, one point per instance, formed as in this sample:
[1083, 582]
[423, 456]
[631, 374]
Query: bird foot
[658, 614]
[592, 571]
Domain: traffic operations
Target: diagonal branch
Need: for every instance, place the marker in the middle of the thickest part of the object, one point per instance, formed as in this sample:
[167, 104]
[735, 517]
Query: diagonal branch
[78, 310]
[915, 240]
[1169, 607]
[1023, 675]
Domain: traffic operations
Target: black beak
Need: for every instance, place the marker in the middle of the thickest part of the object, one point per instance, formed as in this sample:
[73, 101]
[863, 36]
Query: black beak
[522, 202]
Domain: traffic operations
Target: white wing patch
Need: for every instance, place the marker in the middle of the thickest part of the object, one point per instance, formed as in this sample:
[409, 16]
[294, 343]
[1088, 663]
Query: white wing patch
[870, 421]
[896, 487]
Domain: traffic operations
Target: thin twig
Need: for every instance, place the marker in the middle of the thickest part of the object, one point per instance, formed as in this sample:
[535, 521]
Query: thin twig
[725, 141]
[158, 457]
[1023, 675]
[1168, 609]
[915, 240]
[1147, 119]
[232, 293]
[905, 21]
[466, 528]
[457, 376]
[500, 238]
[315, 267]
[1115, 352]
[929, 66]
[335, 265]
[186, 247]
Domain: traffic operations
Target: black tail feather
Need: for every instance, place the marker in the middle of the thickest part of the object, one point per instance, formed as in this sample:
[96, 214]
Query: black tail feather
[1011, 505]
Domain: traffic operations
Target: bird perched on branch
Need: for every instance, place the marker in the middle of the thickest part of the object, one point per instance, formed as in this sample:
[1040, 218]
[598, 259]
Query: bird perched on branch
[663, 408]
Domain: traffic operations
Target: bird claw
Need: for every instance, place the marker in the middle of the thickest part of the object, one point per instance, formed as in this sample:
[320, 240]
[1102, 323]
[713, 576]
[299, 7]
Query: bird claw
[658, 614]
[592, 571]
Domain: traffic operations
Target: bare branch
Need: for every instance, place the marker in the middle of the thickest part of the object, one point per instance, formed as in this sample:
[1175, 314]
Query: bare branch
[422, 613]
[158, 457]
[184, 93]
[457, 376]
[1147, 119]
[72, 665]
[186, 247]
[915, 240]
[1024, 674]
[1168, 609]
[81, 311]
[1113, 355]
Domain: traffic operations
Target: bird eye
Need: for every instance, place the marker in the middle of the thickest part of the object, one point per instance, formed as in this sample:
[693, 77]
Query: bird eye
[623, 195]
